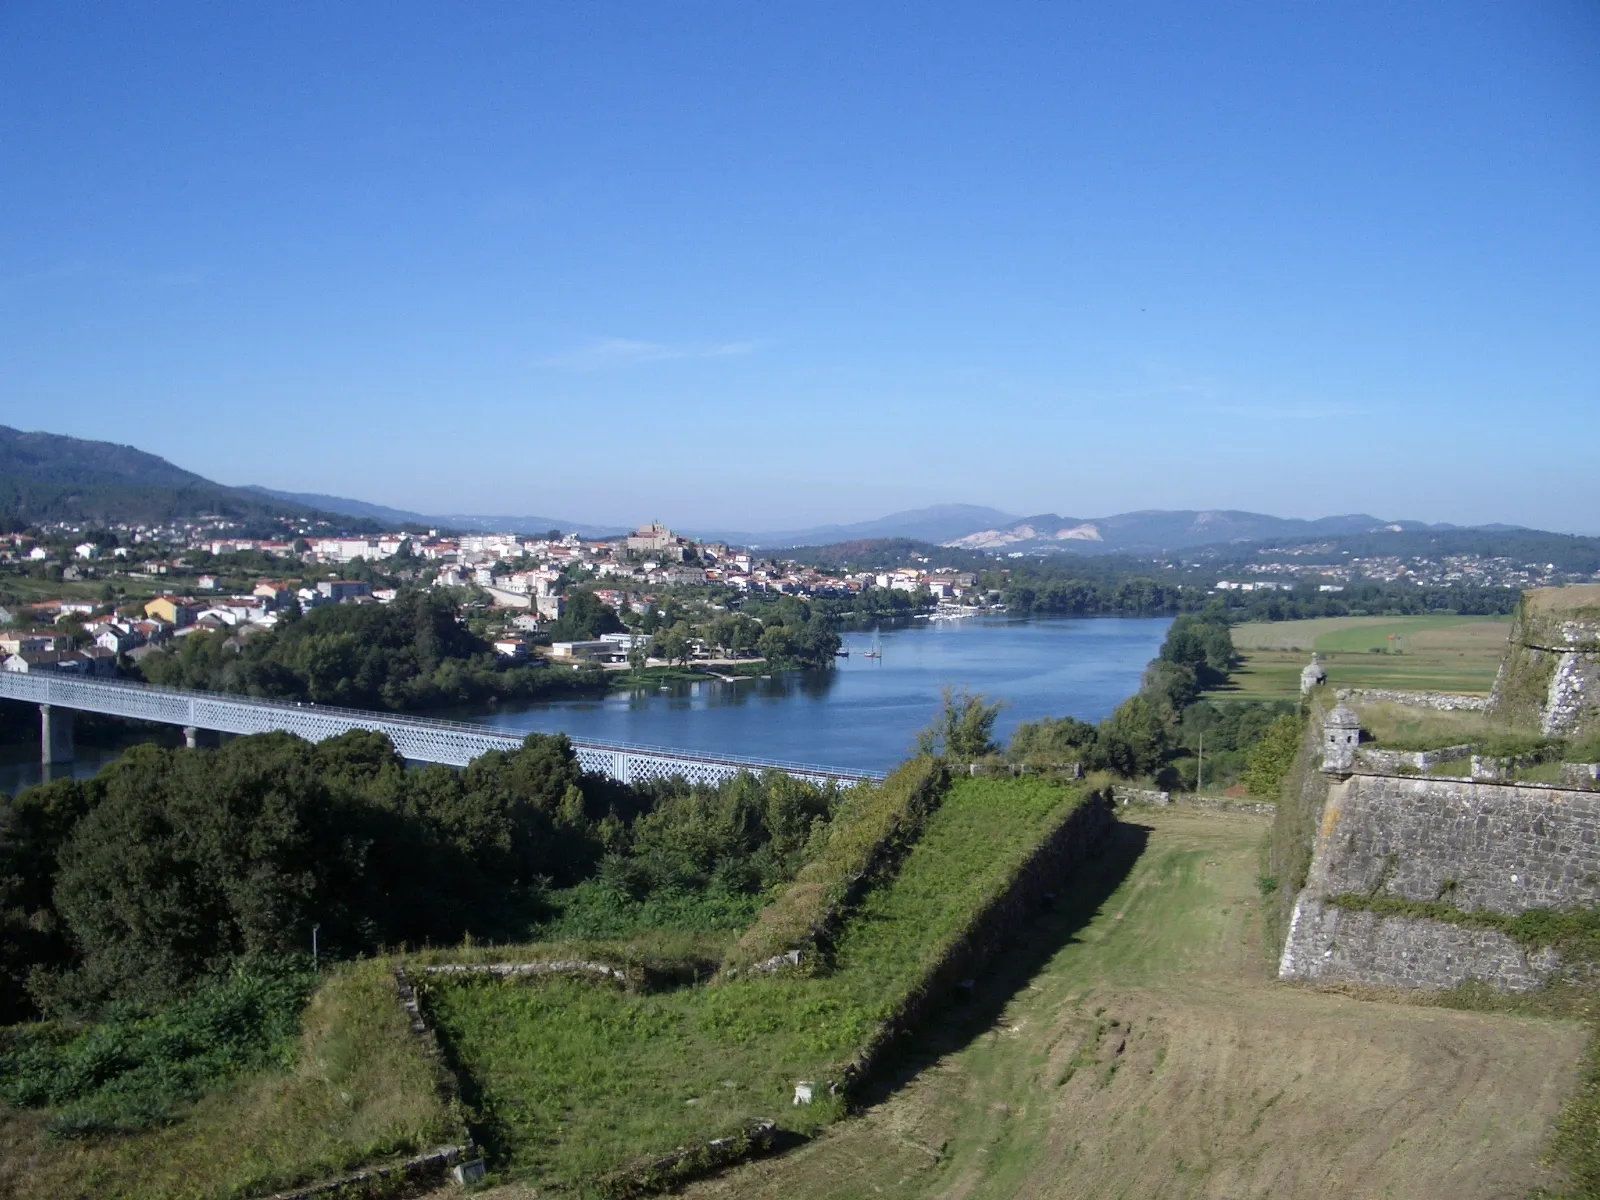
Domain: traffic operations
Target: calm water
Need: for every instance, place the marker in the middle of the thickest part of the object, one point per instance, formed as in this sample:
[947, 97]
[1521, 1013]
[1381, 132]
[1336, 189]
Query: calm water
[865, 713]
[862, 715]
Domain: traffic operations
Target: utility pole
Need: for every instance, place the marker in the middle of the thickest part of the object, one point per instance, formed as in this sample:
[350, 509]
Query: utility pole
[314, 929]
[1200, 764]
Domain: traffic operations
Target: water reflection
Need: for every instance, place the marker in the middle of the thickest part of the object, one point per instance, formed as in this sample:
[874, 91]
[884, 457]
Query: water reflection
[861, 714]
[864, 713]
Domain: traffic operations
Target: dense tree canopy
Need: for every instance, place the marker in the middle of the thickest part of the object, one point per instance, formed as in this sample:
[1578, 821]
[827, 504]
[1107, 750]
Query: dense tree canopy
[172, 865]
[412, 653]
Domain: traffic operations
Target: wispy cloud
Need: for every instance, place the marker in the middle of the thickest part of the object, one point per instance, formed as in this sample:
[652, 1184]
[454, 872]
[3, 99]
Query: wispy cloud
[602, 353]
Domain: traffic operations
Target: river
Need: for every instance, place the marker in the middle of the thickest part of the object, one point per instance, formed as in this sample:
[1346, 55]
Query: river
[863, 714]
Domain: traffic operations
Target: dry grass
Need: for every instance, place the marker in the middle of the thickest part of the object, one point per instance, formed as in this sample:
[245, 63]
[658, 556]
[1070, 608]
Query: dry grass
[1581, 599]
[362, 1090]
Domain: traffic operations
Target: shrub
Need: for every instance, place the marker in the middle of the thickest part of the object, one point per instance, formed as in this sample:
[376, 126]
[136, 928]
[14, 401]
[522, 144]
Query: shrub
[1271, 759]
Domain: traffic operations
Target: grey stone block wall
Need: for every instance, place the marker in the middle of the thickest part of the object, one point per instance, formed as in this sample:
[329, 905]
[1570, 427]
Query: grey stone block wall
[1502, 847]
[1574, 699]
[1442, 701]
[1331, 945]
[1390, 761]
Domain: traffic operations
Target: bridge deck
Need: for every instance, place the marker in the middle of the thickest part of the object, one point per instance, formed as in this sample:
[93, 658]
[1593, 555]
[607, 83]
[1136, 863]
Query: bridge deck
[422, 739]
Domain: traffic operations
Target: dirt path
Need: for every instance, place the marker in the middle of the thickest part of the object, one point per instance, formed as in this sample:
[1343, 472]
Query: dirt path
[1152, 1054]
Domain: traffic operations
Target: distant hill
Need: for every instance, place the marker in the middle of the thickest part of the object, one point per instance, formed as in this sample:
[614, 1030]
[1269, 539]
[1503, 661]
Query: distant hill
[342, 506]
[49, 477]
[938, 523]
[1156, 530]
[477, 523]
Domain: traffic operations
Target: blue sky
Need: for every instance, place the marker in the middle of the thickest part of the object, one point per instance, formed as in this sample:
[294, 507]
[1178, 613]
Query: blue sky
[763, 265]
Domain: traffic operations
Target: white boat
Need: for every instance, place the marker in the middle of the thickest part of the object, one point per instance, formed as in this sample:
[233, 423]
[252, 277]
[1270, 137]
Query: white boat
[877, 647]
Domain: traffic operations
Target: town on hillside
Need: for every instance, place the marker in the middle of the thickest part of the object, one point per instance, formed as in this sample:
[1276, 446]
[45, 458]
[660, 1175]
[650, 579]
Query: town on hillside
[113, 596]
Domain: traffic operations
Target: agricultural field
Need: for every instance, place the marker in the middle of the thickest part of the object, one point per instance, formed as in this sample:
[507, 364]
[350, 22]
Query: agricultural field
[1434, 653]
[1141, 1046]
[566, 1080]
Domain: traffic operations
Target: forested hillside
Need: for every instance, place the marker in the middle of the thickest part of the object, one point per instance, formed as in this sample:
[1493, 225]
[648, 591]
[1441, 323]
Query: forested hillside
[48, 477]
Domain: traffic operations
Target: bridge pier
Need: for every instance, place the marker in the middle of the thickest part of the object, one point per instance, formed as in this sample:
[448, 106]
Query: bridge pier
[55, 735]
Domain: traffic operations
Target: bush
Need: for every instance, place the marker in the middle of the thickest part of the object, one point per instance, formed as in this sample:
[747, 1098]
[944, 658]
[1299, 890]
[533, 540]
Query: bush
[1271, 759]
[963, 731]
[1132, 741]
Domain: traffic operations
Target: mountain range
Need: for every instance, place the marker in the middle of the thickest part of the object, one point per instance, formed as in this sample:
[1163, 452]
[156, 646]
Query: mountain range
[45, 477]
[1155, 530]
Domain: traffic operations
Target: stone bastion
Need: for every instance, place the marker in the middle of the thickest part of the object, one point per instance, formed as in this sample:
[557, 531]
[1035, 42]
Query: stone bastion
[1551, 672]
[1500, 848]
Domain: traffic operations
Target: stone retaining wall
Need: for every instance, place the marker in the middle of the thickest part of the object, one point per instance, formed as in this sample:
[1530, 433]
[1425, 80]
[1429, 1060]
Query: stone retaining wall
[1327, 944]
[1442, 701]
[1124, 795]
[1391, 762]
[1502, 848]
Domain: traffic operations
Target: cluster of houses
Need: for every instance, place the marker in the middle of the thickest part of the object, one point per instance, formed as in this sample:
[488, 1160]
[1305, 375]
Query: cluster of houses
[651, 557]
[113, 636]
[516, 573]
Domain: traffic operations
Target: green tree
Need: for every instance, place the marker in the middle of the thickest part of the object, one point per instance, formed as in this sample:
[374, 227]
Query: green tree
[964, 729]
[1132, 741]
[1051, 741]
[1271, 758]
[585, 618]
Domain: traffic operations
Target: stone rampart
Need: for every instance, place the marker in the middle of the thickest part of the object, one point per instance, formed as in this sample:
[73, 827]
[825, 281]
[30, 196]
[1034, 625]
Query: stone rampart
[1501, 848]
[1390, 762]
[1327, 944]
[1551, 672]
[1442, 701]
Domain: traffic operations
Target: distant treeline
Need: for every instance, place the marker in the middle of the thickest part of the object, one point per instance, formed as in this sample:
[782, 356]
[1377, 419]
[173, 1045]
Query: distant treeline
[1159, 732]
[1049, 592]
[1370, 600]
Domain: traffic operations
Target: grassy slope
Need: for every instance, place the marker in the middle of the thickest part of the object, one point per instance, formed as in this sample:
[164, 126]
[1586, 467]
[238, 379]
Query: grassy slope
[1142, 1048]
[570, 1079]
[361, 1090]
[1435, 653]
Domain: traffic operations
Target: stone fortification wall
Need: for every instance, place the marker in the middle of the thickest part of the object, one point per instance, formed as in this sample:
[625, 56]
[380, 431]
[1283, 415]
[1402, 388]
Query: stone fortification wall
[1551, 672]
[1503, 848]
[1443, 701]
[1390, 762]
[1334, 945]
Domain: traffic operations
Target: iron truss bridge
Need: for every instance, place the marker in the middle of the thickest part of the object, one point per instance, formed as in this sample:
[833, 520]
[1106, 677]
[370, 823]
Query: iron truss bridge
[421, 739]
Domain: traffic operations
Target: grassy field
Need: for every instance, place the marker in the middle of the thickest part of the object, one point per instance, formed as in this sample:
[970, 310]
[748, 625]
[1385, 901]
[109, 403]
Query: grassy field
[361, 1090]
[1140, 1047]
[1435, 653]
[566, 1080]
